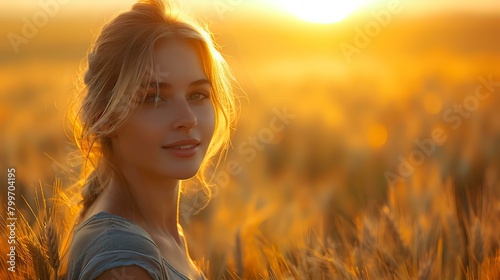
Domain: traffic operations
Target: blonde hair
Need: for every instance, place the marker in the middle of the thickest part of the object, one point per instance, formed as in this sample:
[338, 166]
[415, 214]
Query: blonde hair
[118, 61]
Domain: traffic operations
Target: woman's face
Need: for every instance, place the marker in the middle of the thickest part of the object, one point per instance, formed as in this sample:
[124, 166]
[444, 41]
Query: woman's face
[167, 136]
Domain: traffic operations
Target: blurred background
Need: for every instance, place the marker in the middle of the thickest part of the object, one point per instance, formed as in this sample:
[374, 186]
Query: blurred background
[345, 100]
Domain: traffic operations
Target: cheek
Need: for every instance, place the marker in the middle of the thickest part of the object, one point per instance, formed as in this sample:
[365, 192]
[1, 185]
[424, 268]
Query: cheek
[136, 135]
[206, 120]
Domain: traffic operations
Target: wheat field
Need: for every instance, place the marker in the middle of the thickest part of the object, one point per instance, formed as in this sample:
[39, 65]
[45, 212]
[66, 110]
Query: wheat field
[349, 187]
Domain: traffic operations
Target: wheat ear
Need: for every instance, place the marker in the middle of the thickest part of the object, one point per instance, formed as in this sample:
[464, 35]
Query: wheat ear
[477, 241]
[53, 246]
[394, 233]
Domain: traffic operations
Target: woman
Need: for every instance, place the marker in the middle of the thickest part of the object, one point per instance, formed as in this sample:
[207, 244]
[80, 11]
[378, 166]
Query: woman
[157, 107]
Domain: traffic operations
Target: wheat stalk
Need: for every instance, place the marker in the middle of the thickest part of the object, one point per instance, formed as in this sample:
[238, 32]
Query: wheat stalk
[424, 271]
[238, 254]
[477, 241]
[394, 233]
[37, 258]
[53, 246]
[455, 241]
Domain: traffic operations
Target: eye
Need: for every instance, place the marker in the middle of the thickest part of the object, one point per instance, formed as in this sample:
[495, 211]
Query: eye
[153, 98]
[199, 95]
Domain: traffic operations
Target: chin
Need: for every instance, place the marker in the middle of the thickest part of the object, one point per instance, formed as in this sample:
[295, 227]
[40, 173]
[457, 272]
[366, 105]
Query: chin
[181, 174]
[187, 177]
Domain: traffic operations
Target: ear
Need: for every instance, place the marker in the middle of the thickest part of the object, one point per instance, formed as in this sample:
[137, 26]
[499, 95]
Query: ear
[105, 127]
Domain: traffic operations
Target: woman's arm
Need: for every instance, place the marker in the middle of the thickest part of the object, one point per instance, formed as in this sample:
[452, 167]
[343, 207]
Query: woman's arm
[131, 272]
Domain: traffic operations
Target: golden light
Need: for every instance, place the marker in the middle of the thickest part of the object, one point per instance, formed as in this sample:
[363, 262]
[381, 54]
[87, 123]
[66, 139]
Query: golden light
[432, 102]
[321, 11]
[377, 135]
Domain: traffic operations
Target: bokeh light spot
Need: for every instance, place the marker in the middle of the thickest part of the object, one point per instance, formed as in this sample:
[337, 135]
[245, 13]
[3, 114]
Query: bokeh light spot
[377, 135]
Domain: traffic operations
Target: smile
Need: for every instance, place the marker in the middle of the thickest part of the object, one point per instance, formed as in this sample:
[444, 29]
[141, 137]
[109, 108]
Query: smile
[183, 151]
[183, 147]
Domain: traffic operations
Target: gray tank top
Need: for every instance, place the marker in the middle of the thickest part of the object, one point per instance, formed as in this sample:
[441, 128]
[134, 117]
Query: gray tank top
[106, 241]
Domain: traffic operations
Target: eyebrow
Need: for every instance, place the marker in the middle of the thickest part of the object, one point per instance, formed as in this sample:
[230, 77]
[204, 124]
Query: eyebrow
[167, 85]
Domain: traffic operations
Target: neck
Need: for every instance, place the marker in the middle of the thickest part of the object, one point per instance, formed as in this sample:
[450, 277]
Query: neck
[152, 203]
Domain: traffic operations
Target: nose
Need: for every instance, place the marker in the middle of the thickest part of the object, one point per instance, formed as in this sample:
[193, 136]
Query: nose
[184, 118]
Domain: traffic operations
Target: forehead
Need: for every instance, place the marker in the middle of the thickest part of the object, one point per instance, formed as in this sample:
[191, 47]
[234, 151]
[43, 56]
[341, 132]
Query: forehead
[178, 61]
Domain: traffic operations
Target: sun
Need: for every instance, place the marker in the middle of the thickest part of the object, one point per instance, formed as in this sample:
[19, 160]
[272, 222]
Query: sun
[321, 11]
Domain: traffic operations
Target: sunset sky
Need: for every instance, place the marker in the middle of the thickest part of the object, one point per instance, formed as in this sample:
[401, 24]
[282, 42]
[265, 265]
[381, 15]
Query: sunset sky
[295, 7]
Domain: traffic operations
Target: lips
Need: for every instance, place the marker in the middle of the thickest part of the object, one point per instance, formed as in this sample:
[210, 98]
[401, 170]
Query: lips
[183, 144]
[184, 148]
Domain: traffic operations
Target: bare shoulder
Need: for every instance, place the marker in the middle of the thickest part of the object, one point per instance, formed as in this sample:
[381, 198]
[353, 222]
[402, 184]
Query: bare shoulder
[131, 272]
